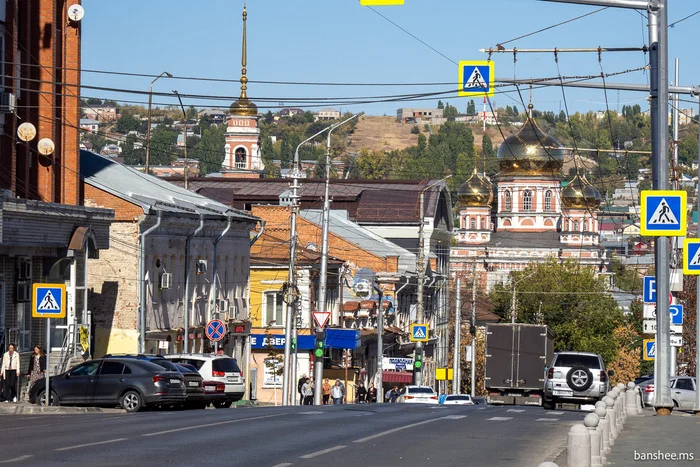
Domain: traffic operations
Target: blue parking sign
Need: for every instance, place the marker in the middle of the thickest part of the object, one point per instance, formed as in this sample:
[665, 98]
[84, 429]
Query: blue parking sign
[649, 291]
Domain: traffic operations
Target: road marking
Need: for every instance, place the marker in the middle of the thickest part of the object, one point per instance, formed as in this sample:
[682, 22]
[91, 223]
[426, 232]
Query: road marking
[454, 417]
[311, 412]
[283, 464]
[547, 420]
[394, 430]
[555, 413]
[17, 459]
[515, 410]
[78, 446]
[226, 422]
[324, 451]
[500, 419]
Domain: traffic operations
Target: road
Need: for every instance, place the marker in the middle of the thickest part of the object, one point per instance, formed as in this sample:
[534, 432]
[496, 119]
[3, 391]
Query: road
[352, 435]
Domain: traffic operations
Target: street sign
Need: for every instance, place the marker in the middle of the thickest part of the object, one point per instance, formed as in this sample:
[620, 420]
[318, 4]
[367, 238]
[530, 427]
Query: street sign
[321, 318]
[476, 78]
[381, 2]
[442, 374]
[676, 315]
[419, 333]
[677, 341]
[649, 349]
[649, 290]
[649, 327]
[663, 213]
[691, 256]
[397, 363]
[216, 330]
[49, 301]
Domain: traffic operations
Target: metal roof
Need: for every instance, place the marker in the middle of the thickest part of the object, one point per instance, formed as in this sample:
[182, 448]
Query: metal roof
[150, 193]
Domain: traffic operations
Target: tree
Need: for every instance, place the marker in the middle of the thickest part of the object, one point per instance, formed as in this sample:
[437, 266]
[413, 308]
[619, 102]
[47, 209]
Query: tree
[133, 156]
[471, 107]
[415, 130]
[210, 150]
[163, 140]
[372, 165]
[450, 111]
[269, 118]
[191, 113]
[94, 101]
[440, 105]
[269, 154]
[127, 123]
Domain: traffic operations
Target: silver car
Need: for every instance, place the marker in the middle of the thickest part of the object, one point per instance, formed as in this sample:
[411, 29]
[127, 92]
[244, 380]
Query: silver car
[575, 377]
[683, 390]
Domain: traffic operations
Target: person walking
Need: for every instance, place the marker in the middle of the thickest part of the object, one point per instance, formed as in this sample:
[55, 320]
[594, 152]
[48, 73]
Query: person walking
[300, 384]
[371, 394]
[307, 392]
[394, 394]
[37, 366]
[361, 394]
[10, 373]
[326, 387]
[443, 396]
[337, 392]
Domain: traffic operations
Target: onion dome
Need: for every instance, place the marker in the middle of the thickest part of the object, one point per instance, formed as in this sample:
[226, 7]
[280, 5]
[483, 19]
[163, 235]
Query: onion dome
[244, 107]
[530, 151]
[476, 191]
[580, 194]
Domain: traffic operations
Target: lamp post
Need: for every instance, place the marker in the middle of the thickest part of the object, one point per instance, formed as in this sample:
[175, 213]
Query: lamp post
[148, 128]
[184, 115]
[513, 315]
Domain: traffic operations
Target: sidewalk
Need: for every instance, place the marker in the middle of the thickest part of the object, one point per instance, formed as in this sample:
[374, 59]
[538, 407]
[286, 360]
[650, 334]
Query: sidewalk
[658, 440]
[25, 408]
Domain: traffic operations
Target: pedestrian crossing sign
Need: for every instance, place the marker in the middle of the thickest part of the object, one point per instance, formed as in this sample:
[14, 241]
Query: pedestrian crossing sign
[663, 213]
[381, 2]
[691, 256]
[49, 301]
[476, 78]
[649, 349]
[419, 333]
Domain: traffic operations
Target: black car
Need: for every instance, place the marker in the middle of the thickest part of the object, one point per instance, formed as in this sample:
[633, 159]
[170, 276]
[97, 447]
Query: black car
[129, 383]
[193, 386]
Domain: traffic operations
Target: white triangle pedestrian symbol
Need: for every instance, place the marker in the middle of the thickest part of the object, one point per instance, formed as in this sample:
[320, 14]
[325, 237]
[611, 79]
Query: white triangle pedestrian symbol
[652, 350]
[49, 303]
[663, 215]
[696, 259]
[476, 80]
[419, 333]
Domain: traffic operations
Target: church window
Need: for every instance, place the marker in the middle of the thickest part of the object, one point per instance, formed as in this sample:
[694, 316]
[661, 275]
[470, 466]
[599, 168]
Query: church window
[472, 224]
[585, 225]
[241, 159]
[575, 226]
[483, 224]
[507, 204]
[566, 225]
[527, 200]
[548, 201]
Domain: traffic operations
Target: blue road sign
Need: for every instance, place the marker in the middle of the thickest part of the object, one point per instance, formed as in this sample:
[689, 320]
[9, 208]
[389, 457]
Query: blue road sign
[649, 349]
[419, 332]
[476, 78]
[691, 256]
[676, 314]
[49, 301]
[216, 330]
[663, 213]
[649, 293]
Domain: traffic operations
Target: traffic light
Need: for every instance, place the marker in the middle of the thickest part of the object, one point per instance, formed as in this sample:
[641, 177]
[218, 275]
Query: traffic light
[319, 347]
[239, 328]
[294, 344]
[418, 360]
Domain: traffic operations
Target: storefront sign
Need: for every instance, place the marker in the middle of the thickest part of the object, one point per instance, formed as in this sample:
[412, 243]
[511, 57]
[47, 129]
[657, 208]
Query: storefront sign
[276, 341]
[397, 363]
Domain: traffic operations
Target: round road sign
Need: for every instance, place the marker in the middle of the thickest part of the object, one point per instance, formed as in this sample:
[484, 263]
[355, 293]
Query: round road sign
[216, 330]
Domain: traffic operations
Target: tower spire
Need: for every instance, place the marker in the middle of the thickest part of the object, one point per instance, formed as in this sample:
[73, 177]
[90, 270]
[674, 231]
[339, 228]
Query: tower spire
[530, 106]
[244, 60]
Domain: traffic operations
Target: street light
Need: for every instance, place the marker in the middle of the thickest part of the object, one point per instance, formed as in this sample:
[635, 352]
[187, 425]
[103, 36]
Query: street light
[148, 129]
[512, 303]
[184, 115]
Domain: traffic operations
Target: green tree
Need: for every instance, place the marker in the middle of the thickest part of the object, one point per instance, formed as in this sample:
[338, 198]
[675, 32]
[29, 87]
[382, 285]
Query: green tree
[269, 154]
[440, 105]
[471, 107]
[127, 123]
[94, 101]
[450, 111]
[372, 165]
[210, 150]
[163, 140]
[191, 113]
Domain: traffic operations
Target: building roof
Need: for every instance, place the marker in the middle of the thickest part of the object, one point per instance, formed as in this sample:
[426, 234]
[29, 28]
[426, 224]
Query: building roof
[150, 193]
[525, 239]
[89, 121]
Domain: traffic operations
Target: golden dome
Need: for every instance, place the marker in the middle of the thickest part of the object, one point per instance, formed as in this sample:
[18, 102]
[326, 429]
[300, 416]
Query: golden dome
[530, 152]
[580, 194]
[476, 191]
[244, 107]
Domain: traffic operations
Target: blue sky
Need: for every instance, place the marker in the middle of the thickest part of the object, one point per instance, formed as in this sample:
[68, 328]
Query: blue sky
[340, 41]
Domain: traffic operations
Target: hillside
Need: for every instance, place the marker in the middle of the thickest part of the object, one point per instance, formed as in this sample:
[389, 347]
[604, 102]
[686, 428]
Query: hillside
[381, 134]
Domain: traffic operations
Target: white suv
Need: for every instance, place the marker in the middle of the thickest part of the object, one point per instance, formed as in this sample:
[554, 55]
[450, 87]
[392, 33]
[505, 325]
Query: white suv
[575, 377]
[219, 368]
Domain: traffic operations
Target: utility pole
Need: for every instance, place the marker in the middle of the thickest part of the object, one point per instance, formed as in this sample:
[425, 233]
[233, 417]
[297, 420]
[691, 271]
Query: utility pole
[472, 331]
[513, 318]
[323, 279]
[148, 123]
[458, 324]
[184, 115]
[696, 409]
[677, 249]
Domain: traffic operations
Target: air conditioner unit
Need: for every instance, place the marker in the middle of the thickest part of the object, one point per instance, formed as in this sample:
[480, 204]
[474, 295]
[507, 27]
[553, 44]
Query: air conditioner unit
[202, 266]
[166, 280]
[222, 306]
[8, 102]
[23, 293]
[24, 269]
[232, 312]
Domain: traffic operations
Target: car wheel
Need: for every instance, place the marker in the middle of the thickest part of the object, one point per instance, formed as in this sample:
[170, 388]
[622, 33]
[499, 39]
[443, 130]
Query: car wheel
[548, 404]
[131, 401]
[222, 405]
[579, 378]
[41, 398]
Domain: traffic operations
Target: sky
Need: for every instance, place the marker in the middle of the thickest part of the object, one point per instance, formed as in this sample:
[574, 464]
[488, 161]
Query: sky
[339, 41]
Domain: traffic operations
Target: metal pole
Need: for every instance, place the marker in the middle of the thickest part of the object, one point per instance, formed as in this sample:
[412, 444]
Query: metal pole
[697, 299]
[47, 391]
[186, 346]
[294, 364]
[380, 346]
[418, 372]
[214, 292]
[142, 282]
[512, 306]
[148, 129]
[458, 325]
[676, 185]
[557, 50]
[184, 115]
[473, 327]
[634, 4]
[581, 83]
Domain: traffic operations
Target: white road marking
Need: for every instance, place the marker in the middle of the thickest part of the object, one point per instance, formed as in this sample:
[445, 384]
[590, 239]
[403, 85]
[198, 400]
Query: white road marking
[311, 412]
[283, 464]
[547, 420]
[555, 413]
[17, 459]
[394, 430]
[515, 410]
[500, 419]
[322, 452]
[206, 425]
[78, 446]
[454, 417]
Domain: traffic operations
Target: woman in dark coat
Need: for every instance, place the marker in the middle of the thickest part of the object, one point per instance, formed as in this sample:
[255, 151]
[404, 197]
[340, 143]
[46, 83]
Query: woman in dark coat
[37, 366]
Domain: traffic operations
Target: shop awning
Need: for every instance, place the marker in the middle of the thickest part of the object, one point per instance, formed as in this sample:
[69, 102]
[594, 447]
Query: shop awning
[405, 377]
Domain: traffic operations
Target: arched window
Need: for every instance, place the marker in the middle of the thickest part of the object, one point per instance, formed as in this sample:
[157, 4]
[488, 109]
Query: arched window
[527, 200]
[548, 201]
[483, 224]
[585, 225]
[241, 158]
[575, 226]
[506, 201]
[566, 225]
[472, 224]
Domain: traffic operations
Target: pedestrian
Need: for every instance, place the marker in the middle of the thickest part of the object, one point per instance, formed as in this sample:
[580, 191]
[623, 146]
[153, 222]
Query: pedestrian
[443, 396]
[361, 393]
[10, 373]
[37, 366]
[371, 394]
[394, 394]
[342, 388]
[326, 386]
[388, 395]
[300, 383]
[307, 392]
[337, 392]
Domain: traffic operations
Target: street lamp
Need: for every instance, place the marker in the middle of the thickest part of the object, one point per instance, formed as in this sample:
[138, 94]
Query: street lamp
[184, 115]
[513, 313]
[148, 129]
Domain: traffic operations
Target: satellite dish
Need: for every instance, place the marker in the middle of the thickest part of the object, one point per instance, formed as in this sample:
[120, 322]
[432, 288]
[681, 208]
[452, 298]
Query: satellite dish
[26, 132]
[76, 12]
[45, 147]
[363, 289]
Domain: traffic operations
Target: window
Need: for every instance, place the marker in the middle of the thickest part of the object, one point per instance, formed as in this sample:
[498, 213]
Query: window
[587, 361]
[112, 368]
[684, 383]
[273, 309]
[227, 365]
[506, 201]
[575, 226]
[527, 200]
[483, 224]
[241, 158]
[585, 225]
[566, 225]
[86, 369]
[548, 201]
[472, 224]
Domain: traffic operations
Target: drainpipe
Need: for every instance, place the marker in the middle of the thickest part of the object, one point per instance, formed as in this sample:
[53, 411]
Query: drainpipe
[213, 297]
[247, 345]
[187, 282]
[142, 282]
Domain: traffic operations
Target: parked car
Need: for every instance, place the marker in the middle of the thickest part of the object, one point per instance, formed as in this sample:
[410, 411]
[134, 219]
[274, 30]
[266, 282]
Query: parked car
[130, 383]
[683, 390]
[647, 390]
[194, 386]
[458, 399]
[575, 377]
[217, 368]
[417, 395]
[640, 379]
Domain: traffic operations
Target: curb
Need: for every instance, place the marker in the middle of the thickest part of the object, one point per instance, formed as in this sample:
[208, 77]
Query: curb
[40, 410]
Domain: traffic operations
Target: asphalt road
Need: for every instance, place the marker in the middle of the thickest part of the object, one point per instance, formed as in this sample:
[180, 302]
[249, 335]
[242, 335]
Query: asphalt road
[352, 435]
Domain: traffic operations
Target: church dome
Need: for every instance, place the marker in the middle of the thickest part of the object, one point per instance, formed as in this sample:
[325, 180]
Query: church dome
[244, 107]
[530, 152]
[580, 194]
[476, 191]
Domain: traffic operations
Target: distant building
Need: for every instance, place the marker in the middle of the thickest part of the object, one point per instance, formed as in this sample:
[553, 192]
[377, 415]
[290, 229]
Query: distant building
[327, 114]
[88, 124]
[101, 114]
[111, 150]
[415, 115]
[288, 112]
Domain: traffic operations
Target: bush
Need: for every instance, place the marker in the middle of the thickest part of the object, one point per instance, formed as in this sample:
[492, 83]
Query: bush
[415, 130]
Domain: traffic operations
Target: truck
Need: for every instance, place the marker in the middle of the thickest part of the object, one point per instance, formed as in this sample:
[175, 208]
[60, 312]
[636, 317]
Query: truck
[516, 359]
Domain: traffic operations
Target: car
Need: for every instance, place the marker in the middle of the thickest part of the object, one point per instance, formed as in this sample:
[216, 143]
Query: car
[194, 386]
[575, 377]
[647, 391]
[683, 390]
[640, 379]
[458, 399]
[217, 368]
[417, 395]
[130, 383]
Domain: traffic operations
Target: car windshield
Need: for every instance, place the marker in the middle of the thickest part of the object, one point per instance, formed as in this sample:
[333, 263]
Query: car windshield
[166, 364]
[457, 398]
[420, 391]
[227, 365]
[570, 360]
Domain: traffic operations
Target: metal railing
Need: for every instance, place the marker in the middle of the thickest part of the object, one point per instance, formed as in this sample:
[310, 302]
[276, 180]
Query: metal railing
[69, 348]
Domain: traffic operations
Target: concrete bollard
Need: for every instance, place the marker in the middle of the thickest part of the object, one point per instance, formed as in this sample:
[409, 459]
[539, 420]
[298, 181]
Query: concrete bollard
[591, 422]
[619, 406]
[615, 421]
[631, 400]
[623, 402]
[603, 429]
[610, 417]
[578, 447]
[638, 391]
